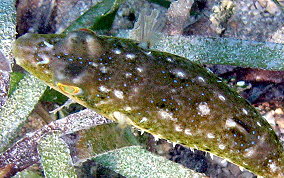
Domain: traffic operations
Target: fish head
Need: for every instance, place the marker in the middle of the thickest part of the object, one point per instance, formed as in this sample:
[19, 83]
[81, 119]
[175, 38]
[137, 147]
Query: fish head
[59, 60]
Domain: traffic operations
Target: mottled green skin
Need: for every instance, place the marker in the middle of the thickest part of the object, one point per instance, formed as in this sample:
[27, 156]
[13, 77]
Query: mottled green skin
[166, 95]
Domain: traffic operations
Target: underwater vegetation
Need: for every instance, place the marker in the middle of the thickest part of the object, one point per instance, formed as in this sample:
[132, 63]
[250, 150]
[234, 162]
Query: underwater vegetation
[163, 94]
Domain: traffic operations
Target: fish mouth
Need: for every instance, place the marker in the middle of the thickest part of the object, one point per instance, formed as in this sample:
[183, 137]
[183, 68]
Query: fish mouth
[24, 48]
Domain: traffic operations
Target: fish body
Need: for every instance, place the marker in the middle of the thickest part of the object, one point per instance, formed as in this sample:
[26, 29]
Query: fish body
[160, 93]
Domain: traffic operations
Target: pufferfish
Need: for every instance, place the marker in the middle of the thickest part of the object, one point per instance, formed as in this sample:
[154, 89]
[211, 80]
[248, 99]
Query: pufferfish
[157, 92]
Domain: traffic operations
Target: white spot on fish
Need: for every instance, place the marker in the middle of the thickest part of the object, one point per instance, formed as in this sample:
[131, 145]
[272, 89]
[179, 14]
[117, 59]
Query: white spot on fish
[104, 69]
[250, 152]
[144, 119]
[273, 167]
[104, 102]
[178, 128]
[130, 56]
[178, 73]
[135, 89]
[200, 79]
[173, 90]
[104, 89]
[230, 123]
[127, 108]
[222, 147]
[166, 115]
[121, 118]
[117, 51]
[210, 135]
[94, 64]
[187, 132]
[245, 111]
[45, 59]
[139, 69]
[118, 94]
[203, 109]
[221, 97]
[128, 74]
[169, 59]
[48, 45]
